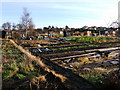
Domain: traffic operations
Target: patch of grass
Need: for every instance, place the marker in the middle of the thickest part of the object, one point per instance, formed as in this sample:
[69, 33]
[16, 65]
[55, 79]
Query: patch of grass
[34, 74]
[92, 39]
[19, 76]
[6, 74]
[94, 78]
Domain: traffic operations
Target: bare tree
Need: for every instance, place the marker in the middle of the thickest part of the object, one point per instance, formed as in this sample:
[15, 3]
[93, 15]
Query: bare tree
[14, 26]
[6, 26]
[19, 26]
[27, 22]
[31, 25]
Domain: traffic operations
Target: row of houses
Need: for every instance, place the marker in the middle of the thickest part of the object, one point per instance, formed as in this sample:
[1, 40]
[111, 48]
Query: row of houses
[96, 31]
[62, 32]
[85, 30]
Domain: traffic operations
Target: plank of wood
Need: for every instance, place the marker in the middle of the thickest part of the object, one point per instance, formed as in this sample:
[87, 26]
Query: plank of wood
[62, 54]
[73, 56]
[108, 49]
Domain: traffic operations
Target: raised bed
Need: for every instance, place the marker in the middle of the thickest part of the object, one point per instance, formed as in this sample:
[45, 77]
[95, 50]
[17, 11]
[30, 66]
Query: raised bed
[65, 57]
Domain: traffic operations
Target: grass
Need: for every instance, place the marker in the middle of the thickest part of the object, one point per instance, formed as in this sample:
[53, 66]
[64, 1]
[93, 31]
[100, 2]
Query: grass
[74, 47]
[93, 39]
[21, 67]
[15, 63]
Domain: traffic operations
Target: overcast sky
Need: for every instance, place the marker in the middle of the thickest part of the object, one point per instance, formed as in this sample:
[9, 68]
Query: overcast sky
[74, 13]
